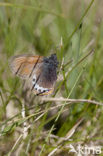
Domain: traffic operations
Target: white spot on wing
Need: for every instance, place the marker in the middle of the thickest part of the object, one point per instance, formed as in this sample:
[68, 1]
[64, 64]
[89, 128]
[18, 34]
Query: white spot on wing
[37, 87]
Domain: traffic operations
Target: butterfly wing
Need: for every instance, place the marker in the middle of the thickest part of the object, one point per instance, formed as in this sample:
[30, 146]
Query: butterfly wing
[30, 67]
[48, 92]
[24, 65]
[40, 83]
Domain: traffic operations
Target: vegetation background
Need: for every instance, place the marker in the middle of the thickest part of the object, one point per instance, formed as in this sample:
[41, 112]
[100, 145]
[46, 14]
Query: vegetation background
[73, 29]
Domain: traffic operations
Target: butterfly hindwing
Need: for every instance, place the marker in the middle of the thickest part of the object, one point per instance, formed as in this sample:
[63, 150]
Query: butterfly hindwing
[40, 84]
[49, 91]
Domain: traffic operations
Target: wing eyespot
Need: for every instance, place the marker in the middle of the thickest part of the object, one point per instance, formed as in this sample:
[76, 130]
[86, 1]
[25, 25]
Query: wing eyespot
[34, 80]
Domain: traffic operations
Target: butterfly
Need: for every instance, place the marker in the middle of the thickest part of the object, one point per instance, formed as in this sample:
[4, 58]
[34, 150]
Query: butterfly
[40, 71]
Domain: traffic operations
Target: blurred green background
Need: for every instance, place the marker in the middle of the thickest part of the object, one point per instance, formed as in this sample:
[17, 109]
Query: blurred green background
[37, 27]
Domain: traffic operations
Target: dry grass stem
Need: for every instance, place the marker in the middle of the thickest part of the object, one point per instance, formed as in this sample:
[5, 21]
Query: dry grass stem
[72, 100]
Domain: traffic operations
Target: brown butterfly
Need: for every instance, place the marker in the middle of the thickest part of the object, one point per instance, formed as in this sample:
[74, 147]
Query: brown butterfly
[41, 71]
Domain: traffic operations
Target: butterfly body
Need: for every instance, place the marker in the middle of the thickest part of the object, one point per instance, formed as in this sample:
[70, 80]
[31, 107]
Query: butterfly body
[40, 71]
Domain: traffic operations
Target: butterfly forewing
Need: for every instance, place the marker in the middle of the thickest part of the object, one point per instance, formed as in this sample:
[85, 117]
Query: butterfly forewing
[23, 65]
